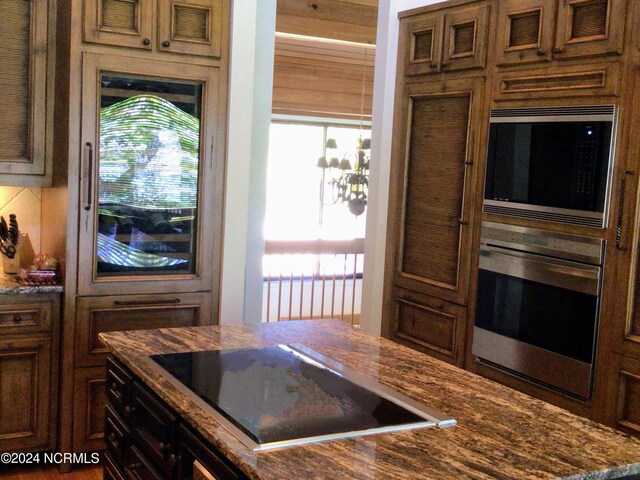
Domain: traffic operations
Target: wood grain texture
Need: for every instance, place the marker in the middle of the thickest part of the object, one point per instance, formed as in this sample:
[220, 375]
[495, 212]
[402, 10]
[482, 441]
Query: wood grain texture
[500, 433]
[338, 19]
[313, 77]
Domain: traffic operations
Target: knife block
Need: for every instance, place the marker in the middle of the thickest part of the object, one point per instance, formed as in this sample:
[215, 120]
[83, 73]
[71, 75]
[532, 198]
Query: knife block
[10, 266]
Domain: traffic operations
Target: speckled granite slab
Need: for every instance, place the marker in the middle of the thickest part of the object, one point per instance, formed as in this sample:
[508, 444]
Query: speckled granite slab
[9, 286]
[501, 433]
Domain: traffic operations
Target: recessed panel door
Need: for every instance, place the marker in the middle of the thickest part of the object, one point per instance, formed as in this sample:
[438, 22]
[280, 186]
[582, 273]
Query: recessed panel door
[148, 150]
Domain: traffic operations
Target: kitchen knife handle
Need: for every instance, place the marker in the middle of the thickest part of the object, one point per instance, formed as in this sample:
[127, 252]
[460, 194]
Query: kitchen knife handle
[121, 303]
[621, 196]
[89, 145]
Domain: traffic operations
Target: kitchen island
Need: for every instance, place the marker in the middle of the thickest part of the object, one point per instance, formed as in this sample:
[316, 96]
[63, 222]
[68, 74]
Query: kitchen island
[500, 433]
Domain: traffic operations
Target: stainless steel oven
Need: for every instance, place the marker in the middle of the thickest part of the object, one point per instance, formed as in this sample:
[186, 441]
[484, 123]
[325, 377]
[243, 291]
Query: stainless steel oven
[550, 163]
[538, 305]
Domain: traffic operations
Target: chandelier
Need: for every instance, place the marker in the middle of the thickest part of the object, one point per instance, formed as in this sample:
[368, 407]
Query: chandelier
[348, 185]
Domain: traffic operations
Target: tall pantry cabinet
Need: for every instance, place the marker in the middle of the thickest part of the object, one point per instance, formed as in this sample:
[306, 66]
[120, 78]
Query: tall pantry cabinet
[141, 121]
[438, 137]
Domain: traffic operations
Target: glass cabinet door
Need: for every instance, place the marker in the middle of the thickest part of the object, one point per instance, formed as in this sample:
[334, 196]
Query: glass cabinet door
[147, 175]
[144, 178]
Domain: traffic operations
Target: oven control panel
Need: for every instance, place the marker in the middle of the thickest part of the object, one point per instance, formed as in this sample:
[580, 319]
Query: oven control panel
[558, 245]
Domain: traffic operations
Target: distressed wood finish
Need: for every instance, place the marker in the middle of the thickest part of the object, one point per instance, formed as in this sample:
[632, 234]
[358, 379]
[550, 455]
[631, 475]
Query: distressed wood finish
[27, 36]
[500, 433]
[28, 371]
[431, 207]
[62, 204]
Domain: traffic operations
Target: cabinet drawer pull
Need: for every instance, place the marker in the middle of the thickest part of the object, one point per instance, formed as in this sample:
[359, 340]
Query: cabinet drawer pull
[541, 52]
[89, 146]
[146, 41]
[166, 44]
[114, 386]
[122, 303]
[17, 318]
[129, 410]
[621, 197]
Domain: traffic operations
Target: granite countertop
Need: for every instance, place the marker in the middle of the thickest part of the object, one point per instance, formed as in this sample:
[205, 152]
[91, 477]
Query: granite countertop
[501, 433]
[10, 286]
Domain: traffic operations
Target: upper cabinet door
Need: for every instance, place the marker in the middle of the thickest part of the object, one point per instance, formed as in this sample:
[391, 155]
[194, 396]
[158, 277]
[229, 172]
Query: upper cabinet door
[26, 91]
[589, 27]
[150, 191]
[423, 47]
[465, 38]
[125, 23]
[190, 26]
[525, 31]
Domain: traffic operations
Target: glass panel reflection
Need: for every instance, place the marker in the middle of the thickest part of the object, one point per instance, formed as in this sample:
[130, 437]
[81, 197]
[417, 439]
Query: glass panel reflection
[148, 176]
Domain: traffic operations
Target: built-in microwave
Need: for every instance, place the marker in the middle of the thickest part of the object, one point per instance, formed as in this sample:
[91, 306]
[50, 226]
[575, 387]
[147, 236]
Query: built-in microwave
[550, 163]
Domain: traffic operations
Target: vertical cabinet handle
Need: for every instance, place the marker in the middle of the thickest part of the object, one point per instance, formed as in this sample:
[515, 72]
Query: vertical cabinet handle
[89, 146]
[621, 196]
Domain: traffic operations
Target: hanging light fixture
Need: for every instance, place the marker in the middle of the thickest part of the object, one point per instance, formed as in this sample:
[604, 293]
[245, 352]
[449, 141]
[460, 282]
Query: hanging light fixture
[349, 185]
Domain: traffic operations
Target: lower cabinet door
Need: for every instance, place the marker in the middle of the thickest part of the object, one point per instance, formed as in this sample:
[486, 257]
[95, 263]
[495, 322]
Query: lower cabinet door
[89, 402]
[25, 393]
[135, 312]
[431, 325]
[626, 395]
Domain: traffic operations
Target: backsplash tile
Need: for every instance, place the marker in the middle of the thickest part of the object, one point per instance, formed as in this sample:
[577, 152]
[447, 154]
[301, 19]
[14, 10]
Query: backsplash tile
[25, 202]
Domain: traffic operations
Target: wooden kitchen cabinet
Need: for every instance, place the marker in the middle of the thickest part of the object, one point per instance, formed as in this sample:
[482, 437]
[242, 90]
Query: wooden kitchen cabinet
[93, 385]
[136, 312]
[151, 201]
[431, 325]
[429, 239]
[28, 371]
[142, 128]
[532, 31]
[27, 36]
[455, 39]
[192, 27]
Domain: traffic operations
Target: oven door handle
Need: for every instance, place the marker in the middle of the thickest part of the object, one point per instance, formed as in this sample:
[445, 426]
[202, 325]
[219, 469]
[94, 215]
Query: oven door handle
[536, 268]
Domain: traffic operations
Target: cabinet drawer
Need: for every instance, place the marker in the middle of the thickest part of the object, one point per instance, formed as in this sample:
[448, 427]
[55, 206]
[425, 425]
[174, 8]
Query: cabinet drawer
[431, 325]
[140, 468]
[111, 470]
[117, 436]
[118, 388]
[139, 312]
[27, 313]
[154, 427]
[194, 451]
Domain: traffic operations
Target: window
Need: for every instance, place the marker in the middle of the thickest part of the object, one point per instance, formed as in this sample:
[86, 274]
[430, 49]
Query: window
[294, 208]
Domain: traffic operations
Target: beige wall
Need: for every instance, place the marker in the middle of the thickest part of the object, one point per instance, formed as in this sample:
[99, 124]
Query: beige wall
[25, 202]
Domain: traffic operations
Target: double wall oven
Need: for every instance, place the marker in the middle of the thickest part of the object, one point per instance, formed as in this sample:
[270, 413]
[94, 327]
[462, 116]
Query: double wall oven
[538, 298]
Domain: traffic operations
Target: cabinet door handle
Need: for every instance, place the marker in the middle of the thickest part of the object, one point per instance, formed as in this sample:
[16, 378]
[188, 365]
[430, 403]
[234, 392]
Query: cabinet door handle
[166, 44]
[621, 196]
[17, 318]
[541, 52]
[89, 146]
[146, 41]
[122, 303]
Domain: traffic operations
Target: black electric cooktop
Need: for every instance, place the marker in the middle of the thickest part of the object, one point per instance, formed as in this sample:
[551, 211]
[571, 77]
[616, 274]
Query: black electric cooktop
[285, 395]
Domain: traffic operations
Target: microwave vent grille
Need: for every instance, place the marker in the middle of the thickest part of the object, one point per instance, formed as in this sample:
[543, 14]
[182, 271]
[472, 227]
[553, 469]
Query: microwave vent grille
[546, 216]
[553, 111]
